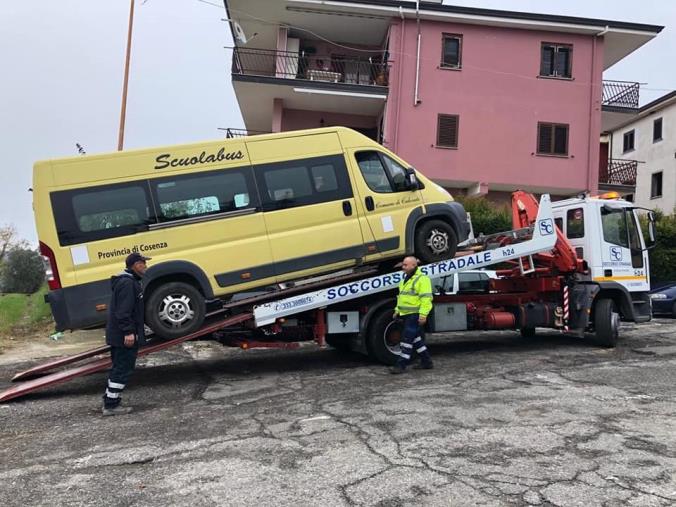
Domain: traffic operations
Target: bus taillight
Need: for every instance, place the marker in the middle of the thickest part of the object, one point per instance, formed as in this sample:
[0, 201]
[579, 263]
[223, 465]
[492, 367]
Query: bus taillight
[51, 270]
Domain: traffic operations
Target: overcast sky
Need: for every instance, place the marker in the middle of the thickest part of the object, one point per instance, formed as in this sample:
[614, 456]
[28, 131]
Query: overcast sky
[62, 66]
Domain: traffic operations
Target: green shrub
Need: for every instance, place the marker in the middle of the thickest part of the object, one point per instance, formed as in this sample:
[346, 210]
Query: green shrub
[22, 271]
[487, 217]
[663, 256]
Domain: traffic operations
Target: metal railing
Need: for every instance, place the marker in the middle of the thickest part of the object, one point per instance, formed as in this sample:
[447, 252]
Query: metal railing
[619, 172]
[290, 65]
[233, 133]
[622, 94]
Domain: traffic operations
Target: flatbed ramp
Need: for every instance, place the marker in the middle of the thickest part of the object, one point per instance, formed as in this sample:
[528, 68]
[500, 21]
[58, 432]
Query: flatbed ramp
[100, 364]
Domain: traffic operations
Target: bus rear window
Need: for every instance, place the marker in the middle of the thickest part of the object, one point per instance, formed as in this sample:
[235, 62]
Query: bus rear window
[90, 214]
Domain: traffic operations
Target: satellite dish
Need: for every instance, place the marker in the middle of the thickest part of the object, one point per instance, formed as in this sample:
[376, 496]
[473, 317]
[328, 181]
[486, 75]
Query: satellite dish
[239, 32]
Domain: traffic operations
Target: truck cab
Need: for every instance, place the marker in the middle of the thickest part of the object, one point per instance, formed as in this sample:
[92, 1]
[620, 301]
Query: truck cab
[605, 232]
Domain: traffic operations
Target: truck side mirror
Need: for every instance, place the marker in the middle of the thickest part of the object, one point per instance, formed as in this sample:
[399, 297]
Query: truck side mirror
[411, 179]
[651, 231]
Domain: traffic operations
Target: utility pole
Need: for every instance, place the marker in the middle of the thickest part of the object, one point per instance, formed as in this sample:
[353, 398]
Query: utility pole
[123, 112]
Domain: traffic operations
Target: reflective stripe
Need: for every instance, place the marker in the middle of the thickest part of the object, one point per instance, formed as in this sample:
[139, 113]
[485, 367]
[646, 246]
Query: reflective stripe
[417, 339]
[406, 345]
[112, 395]
[407, 293]
[407, 307]
[421, 349]
[115, 385]
[426, 295]
[405, 356]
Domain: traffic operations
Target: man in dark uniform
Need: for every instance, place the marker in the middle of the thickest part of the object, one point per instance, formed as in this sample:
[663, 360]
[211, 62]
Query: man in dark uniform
[124, 330]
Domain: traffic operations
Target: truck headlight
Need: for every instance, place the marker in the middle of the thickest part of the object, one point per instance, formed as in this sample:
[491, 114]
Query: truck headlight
[659, 296]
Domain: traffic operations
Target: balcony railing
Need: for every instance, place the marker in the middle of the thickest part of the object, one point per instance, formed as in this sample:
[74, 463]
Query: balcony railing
[232, 133]
[621, 94]
[289, 65]
[619, 172]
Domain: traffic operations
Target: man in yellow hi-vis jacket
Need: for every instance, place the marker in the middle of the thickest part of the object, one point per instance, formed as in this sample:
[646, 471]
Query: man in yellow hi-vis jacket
[414, 304]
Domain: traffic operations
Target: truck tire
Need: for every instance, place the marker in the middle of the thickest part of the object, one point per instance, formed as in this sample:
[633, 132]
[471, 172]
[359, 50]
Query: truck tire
[435, 241]
[175, 309]
[606, 322]
[384, 335]
[527, 332]
[673, 311]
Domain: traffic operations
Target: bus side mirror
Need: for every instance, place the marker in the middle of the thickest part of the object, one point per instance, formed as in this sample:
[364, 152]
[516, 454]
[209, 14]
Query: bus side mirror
[411, 179]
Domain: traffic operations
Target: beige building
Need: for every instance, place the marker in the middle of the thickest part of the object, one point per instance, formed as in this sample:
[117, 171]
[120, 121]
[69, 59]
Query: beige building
[649, 142]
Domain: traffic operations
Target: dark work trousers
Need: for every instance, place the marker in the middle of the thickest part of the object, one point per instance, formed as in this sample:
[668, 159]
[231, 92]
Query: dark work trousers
[124, 360]
[413, 341]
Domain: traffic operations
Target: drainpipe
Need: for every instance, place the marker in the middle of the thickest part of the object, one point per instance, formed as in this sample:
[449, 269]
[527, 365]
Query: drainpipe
[416, 97]
[399, 77]
[590, 183]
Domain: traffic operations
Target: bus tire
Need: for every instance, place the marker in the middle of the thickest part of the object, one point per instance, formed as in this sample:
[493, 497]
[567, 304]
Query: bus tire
[384, 335]
[175, 309]
[435, 241]
[606, 322]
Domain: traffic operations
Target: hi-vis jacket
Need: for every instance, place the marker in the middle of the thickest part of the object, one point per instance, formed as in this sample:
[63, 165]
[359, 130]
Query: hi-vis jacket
[415, 295]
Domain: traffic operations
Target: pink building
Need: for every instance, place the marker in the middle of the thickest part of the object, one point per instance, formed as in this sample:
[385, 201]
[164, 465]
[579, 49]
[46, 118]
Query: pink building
[483, 101]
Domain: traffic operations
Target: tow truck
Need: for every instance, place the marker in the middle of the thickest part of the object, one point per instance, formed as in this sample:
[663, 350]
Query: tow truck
[579, 266]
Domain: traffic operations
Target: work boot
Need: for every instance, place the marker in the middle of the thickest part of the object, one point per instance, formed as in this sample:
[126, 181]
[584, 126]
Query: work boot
[424, 366]
[119, 410]
[397, 369]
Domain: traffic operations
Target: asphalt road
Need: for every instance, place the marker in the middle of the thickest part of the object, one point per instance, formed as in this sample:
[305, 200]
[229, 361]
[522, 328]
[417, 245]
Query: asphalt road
[500, 421]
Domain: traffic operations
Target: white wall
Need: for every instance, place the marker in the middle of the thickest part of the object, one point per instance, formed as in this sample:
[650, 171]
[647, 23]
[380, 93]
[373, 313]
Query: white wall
[658, 156]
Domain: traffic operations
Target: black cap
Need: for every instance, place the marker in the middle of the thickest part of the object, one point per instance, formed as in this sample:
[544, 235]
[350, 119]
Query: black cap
[133, 258]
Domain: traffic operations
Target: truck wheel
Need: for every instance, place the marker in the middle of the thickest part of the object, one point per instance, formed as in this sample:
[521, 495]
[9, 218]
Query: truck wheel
[435, 241]
[527, 332]
[606, 322]
[175, 309]
[384, 336]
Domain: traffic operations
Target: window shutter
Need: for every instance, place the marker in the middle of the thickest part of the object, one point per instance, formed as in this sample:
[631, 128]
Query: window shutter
[547, 61]
[561, 140]
[562, 62]
[447, 131]
[545, 135]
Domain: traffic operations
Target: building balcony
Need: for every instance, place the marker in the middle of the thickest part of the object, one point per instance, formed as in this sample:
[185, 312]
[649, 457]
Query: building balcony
[620, 100]
[319, 69]
[619, 174]
[621, 95]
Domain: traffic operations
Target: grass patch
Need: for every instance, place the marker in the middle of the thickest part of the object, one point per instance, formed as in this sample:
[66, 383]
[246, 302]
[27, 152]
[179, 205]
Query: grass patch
[23, 313]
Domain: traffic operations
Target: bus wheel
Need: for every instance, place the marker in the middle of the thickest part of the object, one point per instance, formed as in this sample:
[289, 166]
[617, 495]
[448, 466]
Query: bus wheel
[435, 241]
[606, 322]
[384, 336]
[175, 309]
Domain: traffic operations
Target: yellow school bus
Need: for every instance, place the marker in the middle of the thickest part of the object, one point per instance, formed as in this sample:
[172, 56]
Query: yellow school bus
[228, 216]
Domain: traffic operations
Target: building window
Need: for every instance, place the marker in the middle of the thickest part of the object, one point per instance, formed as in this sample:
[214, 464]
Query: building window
[552, 139]
[656, 185]
[628, 141]
[657, 130]
[447, 130]
[556, 60]
[451, 51]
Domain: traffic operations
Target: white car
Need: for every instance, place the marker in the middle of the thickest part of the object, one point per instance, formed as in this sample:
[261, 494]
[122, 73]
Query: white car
[466, 282]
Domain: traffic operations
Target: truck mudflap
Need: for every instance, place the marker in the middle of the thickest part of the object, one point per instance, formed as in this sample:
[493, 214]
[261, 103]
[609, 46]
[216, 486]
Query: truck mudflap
[581, 301]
